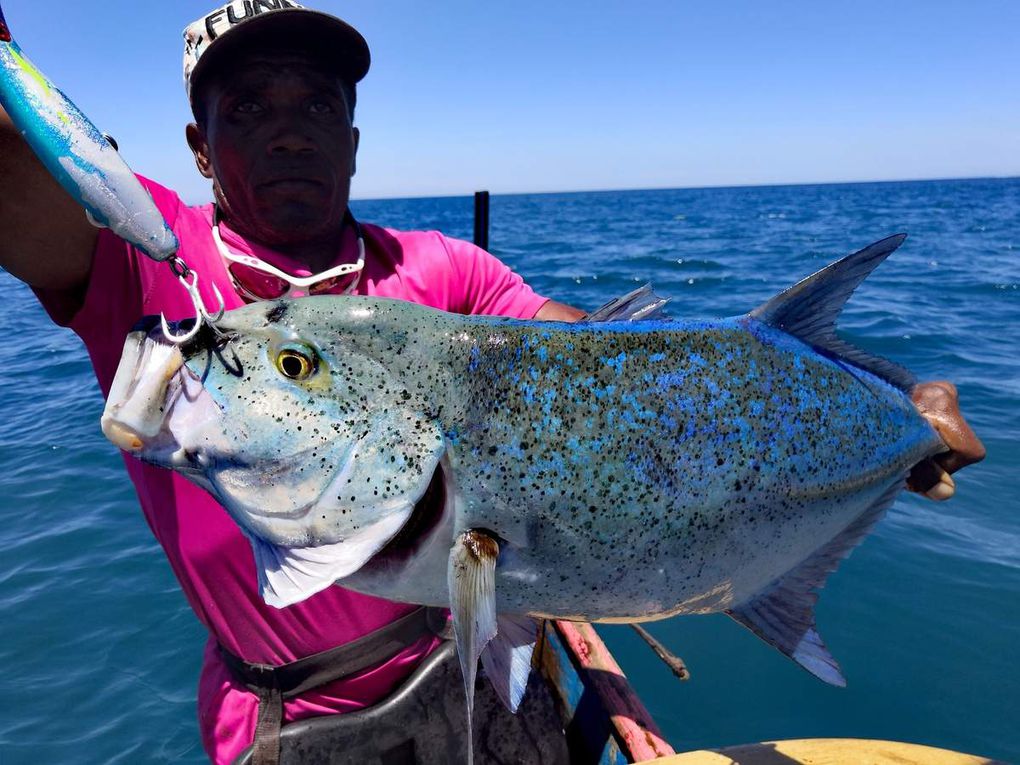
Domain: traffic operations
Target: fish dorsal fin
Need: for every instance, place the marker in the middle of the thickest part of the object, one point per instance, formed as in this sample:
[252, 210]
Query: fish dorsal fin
[507, 658]
[640, 305]
[809, 309]
[784, 614]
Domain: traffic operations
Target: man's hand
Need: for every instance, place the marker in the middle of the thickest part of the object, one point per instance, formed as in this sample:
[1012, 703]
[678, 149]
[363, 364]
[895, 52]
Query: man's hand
[939, 403]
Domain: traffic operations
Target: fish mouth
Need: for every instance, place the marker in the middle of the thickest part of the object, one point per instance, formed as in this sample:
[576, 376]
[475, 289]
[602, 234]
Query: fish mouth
[154, 397]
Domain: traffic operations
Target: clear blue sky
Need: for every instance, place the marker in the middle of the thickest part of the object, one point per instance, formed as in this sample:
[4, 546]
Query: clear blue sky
[569, 95]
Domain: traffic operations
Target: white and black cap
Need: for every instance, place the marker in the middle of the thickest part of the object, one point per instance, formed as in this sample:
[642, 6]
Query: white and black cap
[209, 41]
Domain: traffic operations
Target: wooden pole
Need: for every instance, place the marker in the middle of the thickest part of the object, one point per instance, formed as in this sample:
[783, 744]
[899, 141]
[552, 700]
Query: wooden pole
[675, 663]
[482, 219]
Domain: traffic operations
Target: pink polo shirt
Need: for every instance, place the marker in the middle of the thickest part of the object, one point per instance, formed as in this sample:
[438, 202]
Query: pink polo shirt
[209, 555]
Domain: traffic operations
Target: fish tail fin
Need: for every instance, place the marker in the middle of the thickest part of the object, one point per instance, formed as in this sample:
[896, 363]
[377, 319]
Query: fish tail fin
[809, 309]
[783, 615]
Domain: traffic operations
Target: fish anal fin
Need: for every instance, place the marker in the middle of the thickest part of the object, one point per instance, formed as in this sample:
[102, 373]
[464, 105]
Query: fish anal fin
[507, 658]
[788, 624]
[783, 614]
[808, 310]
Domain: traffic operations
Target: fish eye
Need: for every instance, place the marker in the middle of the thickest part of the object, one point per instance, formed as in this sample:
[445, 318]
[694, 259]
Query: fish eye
[296, 363]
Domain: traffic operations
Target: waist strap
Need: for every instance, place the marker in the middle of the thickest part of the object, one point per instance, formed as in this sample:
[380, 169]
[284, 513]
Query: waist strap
[275, 683]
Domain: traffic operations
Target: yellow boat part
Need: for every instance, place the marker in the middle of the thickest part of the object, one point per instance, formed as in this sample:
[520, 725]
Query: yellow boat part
[826, 751]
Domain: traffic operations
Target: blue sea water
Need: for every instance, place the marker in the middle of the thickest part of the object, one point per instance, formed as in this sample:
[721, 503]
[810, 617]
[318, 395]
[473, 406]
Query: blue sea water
[100, 653]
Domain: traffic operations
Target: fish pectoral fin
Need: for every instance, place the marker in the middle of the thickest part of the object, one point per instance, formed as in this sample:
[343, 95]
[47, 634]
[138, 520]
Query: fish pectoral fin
[784, 614]
[507, 657]
[288, 575]
[471, 578]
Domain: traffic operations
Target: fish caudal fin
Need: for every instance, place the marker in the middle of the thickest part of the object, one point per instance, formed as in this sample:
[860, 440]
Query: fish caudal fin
[507, 658]
[471, 578]
[784, 614]
[640, 305]
[809, 309]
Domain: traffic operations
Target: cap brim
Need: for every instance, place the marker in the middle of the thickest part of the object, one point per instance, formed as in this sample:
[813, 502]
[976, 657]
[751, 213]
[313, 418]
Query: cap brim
[297, 28]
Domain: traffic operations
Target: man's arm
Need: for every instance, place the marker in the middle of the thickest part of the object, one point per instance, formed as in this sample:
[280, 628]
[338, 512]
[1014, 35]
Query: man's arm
[553, 311]
[45, 239]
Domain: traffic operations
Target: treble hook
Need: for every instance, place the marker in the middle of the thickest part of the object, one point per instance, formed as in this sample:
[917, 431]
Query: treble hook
[189, 280]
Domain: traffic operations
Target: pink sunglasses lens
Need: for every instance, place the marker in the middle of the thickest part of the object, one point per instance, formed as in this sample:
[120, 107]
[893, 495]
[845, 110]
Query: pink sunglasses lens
[258, 284]
[328, 285]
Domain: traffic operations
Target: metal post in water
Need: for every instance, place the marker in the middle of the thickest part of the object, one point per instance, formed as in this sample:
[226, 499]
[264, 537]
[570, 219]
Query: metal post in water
[482, 219]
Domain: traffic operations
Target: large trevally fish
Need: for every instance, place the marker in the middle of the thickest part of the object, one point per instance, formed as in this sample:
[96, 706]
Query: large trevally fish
[599, 471]
[78, 156]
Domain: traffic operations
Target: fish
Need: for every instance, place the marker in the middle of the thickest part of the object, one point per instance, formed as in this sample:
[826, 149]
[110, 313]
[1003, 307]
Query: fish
[85, 162]
[611, 470]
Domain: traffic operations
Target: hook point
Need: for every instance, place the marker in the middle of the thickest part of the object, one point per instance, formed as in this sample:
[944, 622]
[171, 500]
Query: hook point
[178, 339]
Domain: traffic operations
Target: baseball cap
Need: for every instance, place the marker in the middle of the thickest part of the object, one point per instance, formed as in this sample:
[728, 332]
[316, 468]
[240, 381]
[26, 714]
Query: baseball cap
[227, 29]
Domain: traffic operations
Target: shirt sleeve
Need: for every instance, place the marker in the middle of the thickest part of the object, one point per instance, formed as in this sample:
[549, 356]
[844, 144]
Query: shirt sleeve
[488, 286]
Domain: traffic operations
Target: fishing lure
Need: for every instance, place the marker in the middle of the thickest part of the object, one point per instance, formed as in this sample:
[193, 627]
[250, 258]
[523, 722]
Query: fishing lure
[89, 167]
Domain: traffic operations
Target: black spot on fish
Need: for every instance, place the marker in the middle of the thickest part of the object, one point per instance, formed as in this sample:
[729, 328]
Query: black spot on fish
[277, 312]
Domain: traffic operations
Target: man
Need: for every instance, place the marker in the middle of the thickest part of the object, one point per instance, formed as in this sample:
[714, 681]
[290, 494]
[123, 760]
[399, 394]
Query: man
[273, 89]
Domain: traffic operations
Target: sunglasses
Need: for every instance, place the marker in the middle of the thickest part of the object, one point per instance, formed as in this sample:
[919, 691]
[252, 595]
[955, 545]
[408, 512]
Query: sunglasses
[255, 279]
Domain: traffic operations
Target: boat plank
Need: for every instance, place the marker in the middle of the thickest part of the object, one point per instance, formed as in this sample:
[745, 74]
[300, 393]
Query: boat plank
[603, 715]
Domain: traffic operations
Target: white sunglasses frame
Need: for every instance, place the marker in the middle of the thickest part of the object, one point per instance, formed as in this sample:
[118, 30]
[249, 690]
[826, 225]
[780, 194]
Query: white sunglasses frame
[294, 282]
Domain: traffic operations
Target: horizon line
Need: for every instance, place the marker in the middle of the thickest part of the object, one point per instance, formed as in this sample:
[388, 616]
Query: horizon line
[688, 188]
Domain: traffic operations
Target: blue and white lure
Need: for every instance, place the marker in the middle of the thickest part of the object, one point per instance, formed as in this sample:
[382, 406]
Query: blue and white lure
[89, 168]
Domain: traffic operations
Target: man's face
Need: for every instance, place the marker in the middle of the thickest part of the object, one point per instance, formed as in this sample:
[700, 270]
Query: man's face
[279, 146]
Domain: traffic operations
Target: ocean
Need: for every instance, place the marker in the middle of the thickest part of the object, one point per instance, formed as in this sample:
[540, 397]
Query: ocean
[100, 653]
